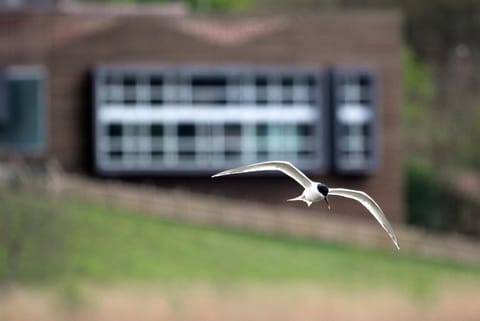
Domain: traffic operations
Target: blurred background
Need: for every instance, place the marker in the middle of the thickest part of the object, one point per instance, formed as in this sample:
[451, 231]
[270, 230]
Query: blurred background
[114, 114]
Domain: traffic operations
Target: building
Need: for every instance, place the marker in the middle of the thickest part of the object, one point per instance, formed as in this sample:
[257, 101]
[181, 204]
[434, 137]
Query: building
[173, 98]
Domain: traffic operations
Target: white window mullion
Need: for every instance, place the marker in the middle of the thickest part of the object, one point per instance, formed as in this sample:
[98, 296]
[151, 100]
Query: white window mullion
[232, 90]
[211, 114]
[142, 90]
[168, 88]
[300, 90]
[219, 145]
[170, 142]
[274, 91]
[249, 143]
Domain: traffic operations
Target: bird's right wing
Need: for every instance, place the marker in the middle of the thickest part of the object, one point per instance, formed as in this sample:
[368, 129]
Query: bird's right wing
[284, 167]
[371, 205]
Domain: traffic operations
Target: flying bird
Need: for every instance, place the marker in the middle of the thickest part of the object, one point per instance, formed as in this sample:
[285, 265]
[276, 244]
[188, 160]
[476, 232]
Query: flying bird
[315, 191]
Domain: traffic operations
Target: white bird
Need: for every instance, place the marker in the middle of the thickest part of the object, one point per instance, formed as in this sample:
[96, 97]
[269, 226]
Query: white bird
[315, 191]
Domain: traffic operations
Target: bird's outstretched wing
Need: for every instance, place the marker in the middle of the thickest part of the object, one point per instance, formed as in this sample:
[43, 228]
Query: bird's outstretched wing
[284, 167]
[371, 205]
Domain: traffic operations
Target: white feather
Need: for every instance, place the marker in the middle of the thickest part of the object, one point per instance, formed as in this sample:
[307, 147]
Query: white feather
[311, 194]
[371, 205]
[284, 167]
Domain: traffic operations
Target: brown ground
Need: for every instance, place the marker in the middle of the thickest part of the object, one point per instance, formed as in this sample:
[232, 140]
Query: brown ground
[299, 303]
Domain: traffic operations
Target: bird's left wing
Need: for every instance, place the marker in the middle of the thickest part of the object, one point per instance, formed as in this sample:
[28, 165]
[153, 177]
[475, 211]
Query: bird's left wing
[282, 166]
[371, 205]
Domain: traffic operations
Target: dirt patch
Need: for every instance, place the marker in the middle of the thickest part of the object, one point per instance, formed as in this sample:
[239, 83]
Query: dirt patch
[198, 303]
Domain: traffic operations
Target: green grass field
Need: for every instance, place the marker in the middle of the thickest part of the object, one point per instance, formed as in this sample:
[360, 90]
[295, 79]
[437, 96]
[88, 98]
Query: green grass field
[108, 245]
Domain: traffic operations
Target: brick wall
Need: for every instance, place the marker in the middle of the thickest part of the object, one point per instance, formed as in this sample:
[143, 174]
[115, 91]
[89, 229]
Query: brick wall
[323, 39]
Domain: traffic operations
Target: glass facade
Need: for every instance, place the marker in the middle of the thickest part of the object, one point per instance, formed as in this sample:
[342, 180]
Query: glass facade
[194, 119]
[23, 109]
[354, 121]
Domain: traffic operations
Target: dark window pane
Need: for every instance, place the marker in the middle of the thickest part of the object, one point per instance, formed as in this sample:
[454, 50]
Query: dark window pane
[115, 154]
[366, 130]
[305, 130]
[210, 81]
[156, 93]
[262, 130]
[156, 130]
[129, 81]
[261, 90]
[186, 130]
[156, 81]
[209, 89]
[25, 126]
[261, 81]
[364, 80]
[287, 81]
[115, 130]
[232, 130]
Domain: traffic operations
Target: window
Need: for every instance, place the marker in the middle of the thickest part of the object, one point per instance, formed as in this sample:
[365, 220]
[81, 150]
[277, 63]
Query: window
[22, 125]
[354, 120]
[196, 119]
[3, 99]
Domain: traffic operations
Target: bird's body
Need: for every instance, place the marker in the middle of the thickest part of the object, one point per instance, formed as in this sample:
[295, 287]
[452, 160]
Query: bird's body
[316, 191]
[311, 194]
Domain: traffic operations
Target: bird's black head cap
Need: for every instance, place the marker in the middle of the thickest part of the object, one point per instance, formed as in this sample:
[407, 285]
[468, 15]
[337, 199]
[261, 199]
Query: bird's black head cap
[323, 189]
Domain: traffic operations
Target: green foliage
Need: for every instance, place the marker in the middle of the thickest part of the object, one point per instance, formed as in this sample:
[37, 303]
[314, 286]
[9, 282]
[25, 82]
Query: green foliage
[465, 132]
[433, 202]
[444, 135]
[132, 1]
[417, 108]
[220, 5]
[423, 195]
[434, 29]
[417, 80]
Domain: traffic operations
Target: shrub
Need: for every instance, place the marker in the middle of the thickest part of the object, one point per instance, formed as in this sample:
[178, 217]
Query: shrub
[423, 196]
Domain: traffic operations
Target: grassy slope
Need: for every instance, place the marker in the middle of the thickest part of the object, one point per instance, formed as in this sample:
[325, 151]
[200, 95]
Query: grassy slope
[112, 245]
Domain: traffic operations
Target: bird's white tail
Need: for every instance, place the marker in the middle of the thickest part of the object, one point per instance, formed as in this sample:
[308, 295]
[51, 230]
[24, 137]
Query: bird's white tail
[300, 198]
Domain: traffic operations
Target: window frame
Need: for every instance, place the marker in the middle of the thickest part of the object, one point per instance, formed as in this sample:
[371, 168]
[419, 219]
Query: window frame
[320, 124]
[29, 72]
[373, 143]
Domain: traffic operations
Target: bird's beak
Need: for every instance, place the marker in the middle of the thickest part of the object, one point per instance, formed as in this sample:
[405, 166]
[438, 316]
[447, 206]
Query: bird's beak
[328, 204]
